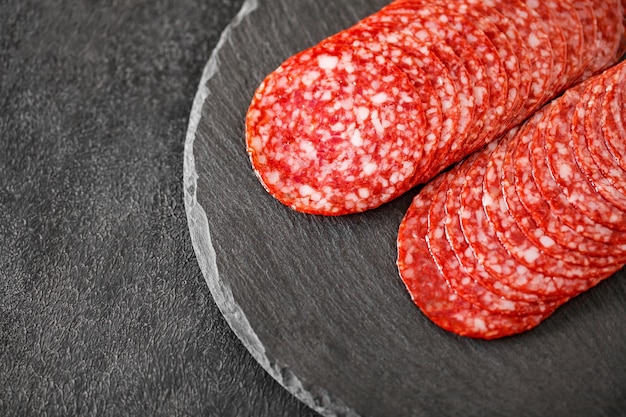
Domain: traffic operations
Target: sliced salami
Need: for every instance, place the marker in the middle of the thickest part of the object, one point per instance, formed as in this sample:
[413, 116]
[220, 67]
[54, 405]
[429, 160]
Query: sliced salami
[572, 30]
[411, 65]
[540, 237]
[485, 245]
[609, 17]
[587, 18]
[537, 206]
[538, 46]
[462, 282]
[595, 113]
[613, 120]
[472, 30]
[519, 51]
[336, 130]
[491, 253]
[426, 19]
[516, 242]
[431, 292]
[463, 252]
[558, 46]
[460, 107]
[577, 205]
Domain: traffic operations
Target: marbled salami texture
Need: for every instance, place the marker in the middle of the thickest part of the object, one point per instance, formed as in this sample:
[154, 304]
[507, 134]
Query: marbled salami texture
[525, 213]
[359, 119]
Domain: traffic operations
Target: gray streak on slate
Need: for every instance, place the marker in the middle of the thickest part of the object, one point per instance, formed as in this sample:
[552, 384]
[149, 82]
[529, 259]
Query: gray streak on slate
[318, 301]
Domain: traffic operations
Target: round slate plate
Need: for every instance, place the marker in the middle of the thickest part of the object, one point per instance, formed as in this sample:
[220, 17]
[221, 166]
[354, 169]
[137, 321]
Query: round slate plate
[318, 301]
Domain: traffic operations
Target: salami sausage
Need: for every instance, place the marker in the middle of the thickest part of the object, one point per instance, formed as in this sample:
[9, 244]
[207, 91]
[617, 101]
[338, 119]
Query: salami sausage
[432, 293]
[347, 140]
[474, 213]
[471, 70]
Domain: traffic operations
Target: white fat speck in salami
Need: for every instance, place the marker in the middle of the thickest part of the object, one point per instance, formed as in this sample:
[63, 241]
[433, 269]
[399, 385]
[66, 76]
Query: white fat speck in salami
[336, 129]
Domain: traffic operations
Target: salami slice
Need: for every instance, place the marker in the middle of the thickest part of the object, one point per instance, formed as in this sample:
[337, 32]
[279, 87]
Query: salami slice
[595, 113]
[443, 229]
[519, 51]
[554, 135]
[485, 245]
[609, 17]
[517, 244]
[431, 20]
[463, 252]
[567, 18]
[431, 292]
[491, 253]
[472, 30]
[587, 18]
[612, 121]
[540, 237]
[411, 65]
[558, 46]
[537, 206]
[459, 110]
[538, 47]
[336, 130]
[495, 27]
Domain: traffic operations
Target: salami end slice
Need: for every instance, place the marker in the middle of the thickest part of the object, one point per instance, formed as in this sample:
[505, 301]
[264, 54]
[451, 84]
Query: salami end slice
[336, 129]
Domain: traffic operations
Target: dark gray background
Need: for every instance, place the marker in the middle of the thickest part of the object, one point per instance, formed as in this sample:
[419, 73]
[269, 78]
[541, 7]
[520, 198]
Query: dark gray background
[103, 309]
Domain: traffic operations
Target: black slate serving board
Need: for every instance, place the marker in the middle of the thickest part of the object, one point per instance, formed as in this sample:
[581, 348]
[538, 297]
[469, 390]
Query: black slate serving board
[318, 301]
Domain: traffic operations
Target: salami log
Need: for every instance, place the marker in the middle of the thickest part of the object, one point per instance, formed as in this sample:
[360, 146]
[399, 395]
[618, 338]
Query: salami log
[362, 117]
[475, 212]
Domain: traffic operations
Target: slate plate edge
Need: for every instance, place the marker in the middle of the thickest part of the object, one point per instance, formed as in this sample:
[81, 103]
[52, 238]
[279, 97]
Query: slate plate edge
[315, 397]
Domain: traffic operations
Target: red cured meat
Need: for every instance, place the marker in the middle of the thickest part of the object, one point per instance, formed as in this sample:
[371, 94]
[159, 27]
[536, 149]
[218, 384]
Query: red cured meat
[335, 130]
[443, 229]
[536, 234]
[472, 29]
[425, 19]
[612, 121]
[514, 239]
[567, 17]
[462, 250]
[595, 113]
[609, 17]
[587, 18]
[431, 292]
[568, 203]
[460, 109]
[539, 209]
[411, 65]
[558, 46]
[491, 253]
[538, 45]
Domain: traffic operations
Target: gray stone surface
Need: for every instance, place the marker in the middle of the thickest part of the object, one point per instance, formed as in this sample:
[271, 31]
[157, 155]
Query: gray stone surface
[318, 301]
